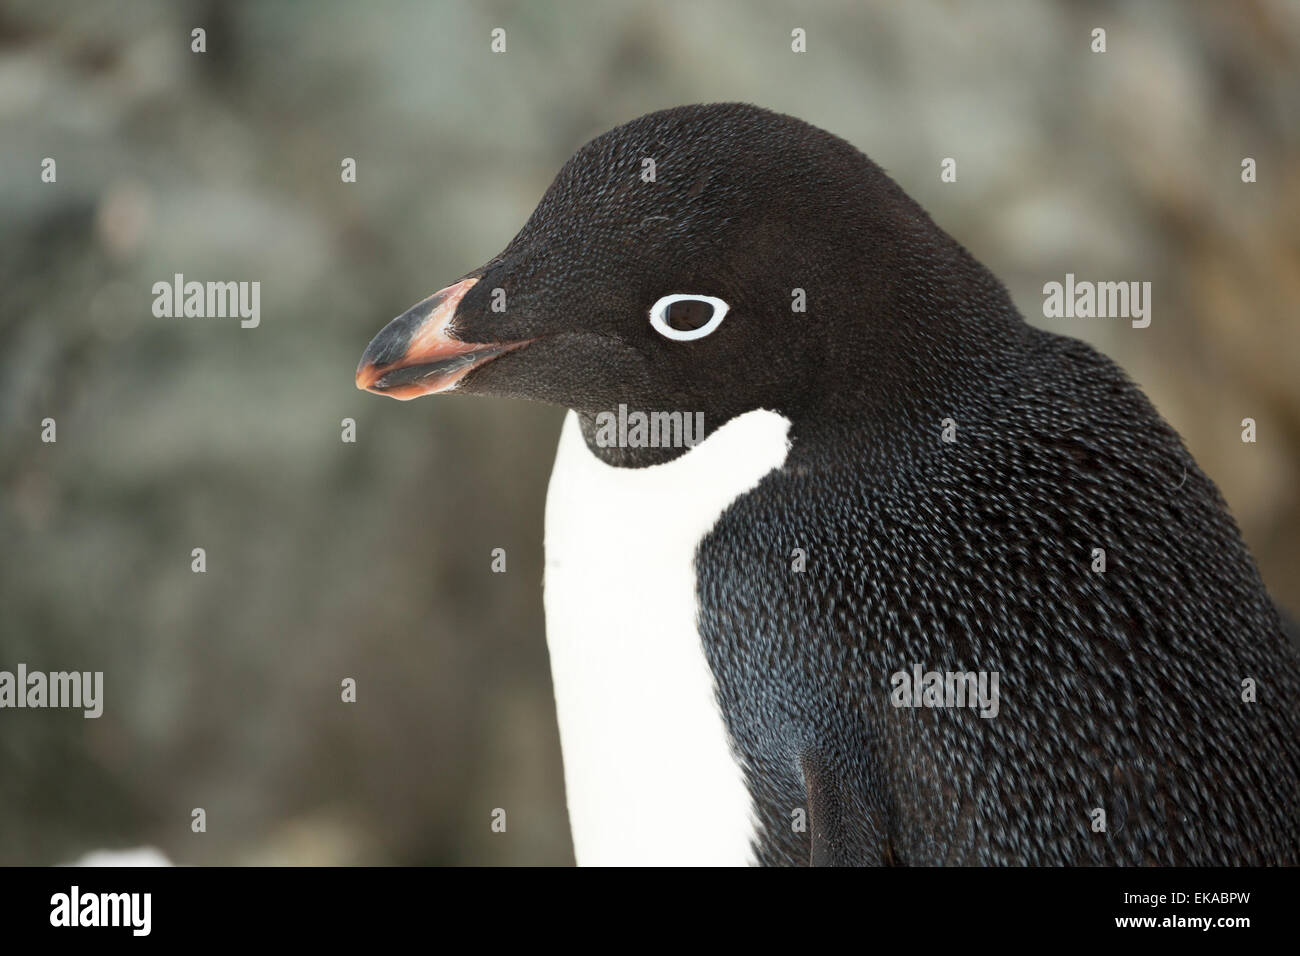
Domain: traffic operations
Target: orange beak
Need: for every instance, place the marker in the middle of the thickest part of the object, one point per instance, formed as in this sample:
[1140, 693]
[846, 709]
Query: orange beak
[416, 353]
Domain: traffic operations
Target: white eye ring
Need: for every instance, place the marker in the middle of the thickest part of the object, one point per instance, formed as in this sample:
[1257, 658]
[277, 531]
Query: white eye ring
[659, 317]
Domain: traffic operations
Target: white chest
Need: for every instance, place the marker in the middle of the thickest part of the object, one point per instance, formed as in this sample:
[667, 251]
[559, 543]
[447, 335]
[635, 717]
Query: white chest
[648, 765]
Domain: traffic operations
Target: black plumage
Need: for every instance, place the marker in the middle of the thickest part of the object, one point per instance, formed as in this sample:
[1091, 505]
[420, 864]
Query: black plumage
[1120, 690]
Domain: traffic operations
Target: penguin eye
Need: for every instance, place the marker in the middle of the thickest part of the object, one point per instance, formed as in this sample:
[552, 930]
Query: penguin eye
[685, 317]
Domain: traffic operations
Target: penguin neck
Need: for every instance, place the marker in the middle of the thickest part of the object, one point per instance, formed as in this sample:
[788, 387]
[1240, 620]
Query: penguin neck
[945, 352]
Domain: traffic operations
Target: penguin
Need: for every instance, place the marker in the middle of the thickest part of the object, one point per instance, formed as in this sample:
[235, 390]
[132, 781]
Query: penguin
[767, 629]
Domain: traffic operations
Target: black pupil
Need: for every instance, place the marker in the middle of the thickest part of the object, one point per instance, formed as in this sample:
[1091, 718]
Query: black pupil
[687, 315]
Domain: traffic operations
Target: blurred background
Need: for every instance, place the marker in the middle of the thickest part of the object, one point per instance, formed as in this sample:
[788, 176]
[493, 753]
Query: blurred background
[328, 560]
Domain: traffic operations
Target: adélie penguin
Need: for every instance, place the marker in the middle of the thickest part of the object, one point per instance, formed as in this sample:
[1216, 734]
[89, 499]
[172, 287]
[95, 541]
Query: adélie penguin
[929, 586]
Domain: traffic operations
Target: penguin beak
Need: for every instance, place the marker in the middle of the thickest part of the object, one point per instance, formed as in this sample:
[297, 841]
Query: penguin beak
[417, 354]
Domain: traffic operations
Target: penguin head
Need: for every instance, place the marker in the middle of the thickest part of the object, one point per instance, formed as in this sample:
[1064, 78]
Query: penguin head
[705, 259]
